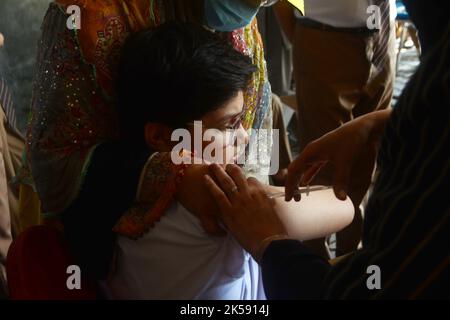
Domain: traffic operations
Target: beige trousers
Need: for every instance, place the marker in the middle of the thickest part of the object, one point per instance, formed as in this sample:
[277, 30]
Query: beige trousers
[11, 147]
[336, 82]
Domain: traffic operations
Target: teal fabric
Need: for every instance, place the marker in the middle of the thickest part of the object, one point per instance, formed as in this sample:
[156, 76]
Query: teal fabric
[228, 15]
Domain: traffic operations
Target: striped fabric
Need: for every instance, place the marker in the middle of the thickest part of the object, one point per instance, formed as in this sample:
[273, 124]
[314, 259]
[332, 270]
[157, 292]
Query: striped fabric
[406, 227]
[407, 230]
[381, 50]
[6, 102]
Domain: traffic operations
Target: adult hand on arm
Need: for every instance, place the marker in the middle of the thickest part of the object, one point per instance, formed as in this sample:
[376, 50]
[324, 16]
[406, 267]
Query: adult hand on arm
[251, 216]
[245, 208]
[289, 270]
[341, 148]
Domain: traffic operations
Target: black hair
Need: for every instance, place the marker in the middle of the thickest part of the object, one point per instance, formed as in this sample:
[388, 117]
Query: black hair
[174, 74]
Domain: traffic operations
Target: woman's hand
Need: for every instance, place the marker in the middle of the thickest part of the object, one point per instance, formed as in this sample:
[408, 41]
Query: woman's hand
[342, 148]
[244, 207]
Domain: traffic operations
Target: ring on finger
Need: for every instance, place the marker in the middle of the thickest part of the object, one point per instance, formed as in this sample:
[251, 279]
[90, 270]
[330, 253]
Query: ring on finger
[234, 190]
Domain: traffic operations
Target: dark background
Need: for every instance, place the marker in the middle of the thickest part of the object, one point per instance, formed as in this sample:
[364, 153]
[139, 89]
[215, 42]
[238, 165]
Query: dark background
[20, 22]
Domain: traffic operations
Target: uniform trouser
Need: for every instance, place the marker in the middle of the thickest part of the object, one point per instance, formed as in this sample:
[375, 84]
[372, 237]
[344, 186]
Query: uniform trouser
[11, 147]
[278, 123]
[336, 82]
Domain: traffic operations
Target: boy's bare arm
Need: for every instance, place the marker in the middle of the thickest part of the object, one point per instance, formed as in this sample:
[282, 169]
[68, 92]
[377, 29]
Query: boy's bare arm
[317, 215]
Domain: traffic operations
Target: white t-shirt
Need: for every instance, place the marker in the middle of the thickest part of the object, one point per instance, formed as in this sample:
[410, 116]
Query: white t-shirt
[342, 13]
[177, 260]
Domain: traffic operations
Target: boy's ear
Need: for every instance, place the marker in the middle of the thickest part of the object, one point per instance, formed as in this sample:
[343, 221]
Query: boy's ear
[158, 136]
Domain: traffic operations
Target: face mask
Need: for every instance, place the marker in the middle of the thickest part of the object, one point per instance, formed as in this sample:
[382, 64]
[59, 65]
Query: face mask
[229, 15]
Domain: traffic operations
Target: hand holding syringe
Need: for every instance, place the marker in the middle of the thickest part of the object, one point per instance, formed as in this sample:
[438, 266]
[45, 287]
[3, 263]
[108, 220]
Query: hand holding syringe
[306, 190]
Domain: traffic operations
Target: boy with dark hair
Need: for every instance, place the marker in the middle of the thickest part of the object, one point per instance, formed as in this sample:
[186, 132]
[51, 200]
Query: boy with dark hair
[172, 78]
[169, 78]
[176, 75]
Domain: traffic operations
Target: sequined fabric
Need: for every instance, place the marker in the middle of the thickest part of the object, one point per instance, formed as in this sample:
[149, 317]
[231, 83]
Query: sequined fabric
[70, 114]
[73, 96]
